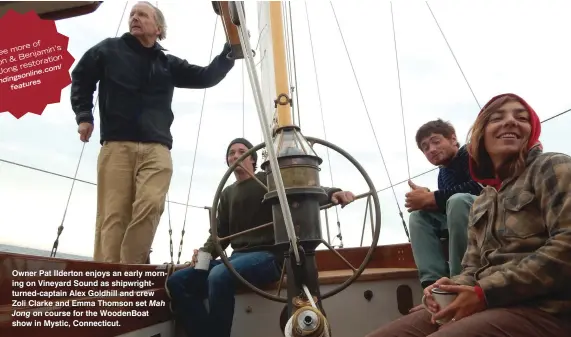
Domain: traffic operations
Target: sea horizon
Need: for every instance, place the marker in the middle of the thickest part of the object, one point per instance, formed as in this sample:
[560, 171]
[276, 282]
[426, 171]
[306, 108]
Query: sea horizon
[40, 252]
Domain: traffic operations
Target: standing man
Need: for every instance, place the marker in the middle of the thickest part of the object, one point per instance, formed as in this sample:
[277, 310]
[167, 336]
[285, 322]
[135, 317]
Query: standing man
[445, 209]
[136, 84]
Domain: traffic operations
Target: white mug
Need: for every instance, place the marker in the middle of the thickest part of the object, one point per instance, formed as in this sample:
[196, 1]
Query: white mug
[443, 298]
[203, 262]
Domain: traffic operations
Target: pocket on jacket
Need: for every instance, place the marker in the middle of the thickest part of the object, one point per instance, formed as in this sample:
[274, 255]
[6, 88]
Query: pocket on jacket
[522, 217]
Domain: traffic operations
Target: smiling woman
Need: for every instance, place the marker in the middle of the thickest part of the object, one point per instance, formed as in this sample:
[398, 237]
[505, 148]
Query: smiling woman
[500, 135]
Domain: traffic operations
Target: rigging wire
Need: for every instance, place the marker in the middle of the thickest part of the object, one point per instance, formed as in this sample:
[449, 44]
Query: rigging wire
[168, 211]
[291, 62]
[243, 105]
[47, 172]
[61, 227]
[339, 235]
[454, 56]
[76, 179]
[370, 120]
[196, 148]
[288, 55]
[555, 116]
[294, 66]
[400, 91]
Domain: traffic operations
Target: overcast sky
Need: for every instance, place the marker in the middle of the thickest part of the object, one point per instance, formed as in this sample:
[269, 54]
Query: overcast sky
[501, 47]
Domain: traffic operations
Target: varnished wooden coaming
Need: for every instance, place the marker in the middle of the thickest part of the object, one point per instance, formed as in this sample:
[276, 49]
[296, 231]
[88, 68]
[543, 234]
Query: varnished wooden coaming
[388, 262]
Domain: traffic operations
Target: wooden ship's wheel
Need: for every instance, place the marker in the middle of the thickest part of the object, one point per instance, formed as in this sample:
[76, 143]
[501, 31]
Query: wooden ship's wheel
[299, 166]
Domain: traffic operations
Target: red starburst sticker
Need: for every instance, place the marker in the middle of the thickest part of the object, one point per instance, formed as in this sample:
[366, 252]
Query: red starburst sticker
[34, 63]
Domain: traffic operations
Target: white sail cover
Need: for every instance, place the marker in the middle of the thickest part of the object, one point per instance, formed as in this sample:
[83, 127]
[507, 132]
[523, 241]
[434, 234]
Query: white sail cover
[266, 56]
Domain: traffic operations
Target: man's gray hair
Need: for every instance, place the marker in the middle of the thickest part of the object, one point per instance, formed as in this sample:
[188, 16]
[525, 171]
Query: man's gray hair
[160, 19]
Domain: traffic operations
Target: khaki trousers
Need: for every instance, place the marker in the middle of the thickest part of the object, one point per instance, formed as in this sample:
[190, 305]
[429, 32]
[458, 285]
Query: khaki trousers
[132, 182]
[501, 322]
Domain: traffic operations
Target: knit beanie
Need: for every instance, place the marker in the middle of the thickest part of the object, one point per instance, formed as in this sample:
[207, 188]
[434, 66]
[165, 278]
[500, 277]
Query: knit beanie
[246, 143]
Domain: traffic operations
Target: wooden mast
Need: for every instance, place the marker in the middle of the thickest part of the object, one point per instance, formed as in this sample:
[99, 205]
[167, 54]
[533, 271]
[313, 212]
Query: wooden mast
[283, 100]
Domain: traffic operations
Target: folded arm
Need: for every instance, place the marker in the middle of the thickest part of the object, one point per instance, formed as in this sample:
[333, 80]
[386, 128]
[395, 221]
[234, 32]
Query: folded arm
[84, 78]
[191, 76]
[548, 269]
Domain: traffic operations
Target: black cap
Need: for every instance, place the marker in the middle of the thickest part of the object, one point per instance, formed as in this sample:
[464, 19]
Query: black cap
[246, 143]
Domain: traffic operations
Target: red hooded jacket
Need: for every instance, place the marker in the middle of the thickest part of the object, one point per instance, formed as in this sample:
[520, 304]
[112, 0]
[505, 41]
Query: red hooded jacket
[533, 140]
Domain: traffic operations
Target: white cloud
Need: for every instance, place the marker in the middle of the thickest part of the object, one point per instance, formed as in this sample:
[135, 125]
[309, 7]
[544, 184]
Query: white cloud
[501, 48]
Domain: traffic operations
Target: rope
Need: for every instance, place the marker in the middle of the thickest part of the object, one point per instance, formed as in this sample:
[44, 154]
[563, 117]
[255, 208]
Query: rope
[61, 227]
[400, 91]
[322, 118]
[454, 56]
[195, 150]
[369, 117]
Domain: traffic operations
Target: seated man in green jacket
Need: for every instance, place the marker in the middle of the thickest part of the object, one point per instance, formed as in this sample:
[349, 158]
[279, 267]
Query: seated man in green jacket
[240, 208]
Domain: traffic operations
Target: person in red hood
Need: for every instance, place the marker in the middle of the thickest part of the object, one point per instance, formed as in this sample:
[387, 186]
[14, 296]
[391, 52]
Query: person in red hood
[517, 269]
[482, 171]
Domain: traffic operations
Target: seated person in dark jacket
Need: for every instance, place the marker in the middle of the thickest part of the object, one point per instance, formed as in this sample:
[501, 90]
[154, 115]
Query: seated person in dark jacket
[433, 212]
[134, 169]
[240, 208]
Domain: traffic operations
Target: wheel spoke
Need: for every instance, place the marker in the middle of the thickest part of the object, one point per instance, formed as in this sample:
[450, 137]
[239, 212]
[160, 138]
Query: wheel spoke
[254, 177]
[339, 255]
[245, 232]
[281, 278]
[365, 220]
[360, 196]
